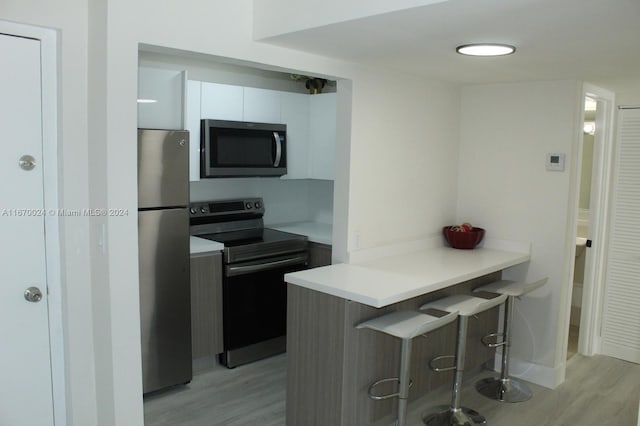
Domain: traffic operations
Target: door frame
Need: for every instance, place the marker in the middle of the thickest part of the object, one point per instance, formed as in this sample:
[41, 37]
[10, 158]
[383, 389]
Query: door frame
[50, 140]
[589, 342]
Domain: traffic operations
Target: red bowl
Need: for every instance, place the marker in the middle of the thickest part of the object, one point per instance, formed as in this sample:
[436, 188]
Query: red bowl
[463, 240]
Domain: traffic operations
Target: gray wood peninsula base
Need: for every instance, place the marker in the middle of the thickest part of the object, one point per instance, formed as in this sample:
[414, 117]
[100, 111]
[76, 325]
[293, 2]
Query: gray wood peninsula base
[330, 363]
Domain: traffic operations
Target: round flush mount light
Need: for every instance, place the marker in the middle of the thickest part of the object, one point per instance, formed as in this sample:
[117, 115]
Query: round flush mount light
[485, 49]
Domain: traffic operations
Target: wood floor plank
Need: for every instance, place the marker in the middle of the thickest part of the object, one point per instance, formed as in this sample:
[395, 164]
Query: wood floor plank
[598, 391]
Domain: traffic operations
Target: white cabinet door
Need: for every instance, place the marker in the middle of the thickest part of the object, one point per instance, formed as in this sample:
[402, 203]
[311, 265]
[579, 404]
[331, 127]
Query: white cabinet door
[221, 102]
[193, 126]
[25, 360]
[161, 98]
[322, 135]
[295, 114]
[261, 105]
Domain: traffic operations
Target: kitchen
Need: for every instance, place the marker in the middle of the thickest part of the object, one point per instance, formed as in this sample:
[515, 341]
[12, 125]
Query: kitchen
[229, 187]
[427, 120]
[236, 318]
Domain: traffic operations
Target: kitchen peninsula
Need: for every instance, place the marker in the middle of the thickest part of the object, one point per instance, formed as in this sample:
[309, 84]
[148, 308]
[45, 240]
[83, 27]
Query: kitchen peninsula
[331, 364]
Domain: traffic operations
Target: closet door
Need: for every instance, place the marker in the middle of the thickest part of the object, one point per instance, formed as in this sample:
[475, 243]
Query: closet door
[621, 312]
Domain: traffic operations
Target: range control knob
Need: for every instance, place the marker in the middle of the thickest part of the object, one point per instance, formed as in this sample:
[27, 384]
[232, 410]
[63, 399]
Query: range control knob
[203, 209]
[193, 210]
[257, 204]
[248, 206]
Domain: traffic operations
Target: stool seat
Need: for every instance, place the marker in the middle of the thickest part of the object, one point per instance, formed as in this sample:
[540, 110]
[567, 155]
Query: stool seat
[465, 304]
[512, 288]
[407, 324]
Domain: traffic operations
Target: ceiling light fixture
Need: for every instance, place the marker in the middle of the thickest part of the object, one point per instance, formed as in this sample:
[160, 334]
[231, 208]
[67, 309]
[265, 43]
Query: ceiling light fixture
[485, 49]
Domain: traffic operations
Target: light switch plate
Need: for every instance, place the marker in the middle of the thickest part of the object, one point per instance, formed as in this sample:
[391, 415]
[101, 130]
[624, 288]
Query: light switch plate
[555, 162]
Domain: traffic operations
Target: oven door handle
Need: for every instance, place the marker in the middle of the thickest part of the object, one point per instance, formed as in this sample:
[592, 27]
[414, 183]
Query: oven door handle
[248, 269]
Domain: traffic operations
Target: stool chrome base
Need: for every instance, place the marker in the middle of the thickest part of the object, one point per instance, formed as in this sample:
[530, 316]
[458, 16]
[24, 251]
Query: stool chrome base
[504, 390]
[446, 416]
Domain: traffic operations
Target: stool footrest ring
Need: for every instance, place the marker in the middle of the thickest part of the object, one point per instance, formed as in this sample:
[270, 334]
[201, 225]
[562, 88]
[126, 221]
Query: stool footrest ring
[499, 337]
[433, 361]
[387, 396]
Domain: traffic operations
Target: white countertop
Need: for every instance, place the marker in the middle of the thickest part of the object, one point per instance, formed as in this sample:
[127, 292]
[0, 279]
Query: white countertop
[201, 245]
[315, 231]
[395, 278]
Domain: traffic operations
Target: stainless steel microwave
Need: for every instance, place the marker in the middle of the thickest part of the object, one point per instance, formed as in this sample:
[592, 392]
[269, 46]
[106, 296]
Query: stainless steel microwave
[241, 149]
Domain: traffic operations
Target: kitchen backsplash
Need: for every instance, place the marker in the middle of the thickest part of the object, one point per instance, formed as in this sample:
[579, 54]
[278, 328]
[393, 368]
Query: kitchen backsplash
[285, 200]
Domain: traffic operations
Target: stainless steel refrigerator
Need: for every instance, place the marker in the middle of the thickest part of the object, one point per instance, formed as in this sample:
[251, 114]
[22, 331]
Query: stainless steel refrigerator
[163, 245]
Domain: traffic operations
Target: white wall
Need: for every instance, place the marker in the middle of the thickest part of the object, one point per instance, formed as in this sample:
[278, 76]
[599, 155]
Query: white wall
[506, 130]
[321, 201]
[214, 70]
[627, 91]
[69, 17]
[404, 155]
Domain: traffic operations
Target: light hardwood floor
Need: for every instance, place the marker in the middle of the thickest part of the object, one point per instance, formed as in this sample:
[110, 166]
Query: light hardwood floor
[598, 391]
[252, 394]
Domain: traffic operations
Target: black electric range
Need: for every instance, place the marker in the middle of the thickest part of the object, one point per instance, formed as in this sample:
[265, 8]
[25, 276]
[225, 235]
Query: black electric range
[255, 260]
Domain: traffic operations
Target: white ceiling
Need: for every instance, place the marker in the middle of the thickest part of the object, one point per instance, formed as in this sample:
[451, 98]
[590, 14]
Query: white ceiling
[555, 39]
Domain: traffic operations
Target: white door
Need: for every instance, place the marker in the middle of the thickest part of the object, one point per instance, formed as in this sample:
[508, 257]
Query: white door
[25, 361]
[621, 311]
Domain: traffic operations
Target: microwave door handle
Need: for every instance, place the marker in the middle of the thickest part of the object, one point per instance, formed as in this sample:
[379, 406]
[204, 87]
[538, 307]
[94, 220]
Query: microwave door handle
[276, 137]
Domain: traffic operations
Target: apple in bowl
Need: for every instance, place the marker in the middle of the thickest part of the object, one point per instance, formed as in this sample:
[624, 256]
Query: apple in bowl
[463, 236]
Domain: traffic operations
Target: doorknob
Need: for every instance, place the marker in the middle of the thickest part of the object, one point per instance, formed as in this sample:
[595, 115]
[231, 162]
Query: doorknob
[27, 162]
[33, 294]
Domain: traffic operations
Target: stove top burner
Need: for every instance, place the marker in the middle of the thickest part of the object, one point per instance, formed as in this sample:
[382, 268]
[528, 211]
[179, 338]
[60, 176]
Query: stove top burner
[251, 236]
[238, 225]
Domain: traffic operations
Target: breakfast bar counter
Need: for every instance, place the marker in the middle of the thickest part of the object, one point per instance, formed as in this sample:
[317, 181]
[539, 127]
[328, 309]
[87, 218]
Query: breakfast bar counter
[392, 279]
[331, 363]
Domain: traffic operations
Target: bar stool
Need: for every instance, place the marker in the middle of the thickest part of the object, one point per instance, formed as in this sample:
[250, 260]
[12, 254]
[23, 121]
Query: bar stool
[505, 388]
[404, 325]
[467, 306]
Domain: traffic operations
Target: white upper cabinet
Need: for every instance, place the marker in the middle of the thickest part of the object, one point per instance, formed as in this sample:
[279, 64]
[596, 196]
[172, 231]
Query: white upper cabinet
[261, 105]
[193, 126]
[221, 102]
[322, 136]
[295, 114]
[161, 103]
[310, 120]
